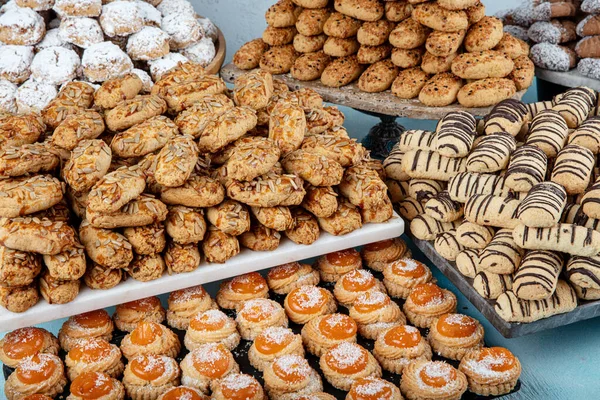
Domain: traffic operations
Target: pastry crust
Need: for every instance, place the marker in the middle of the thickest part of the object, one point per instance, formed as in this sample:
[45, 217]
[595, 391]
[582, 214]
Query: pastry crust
[241, 288]
[353, 284]
[484, 377]
[377, 255]
[287, 277]
[371, 386]
[94, 324]
[455, 347]
[52, 385]
[374, 312]
[128, 315]
[94, 355]
[184, 304]
[256, 315]
[422, 315]
[163, 341]
[398, 346]
[90, 383]
[282, 339]
[289, 377]
[238, 385]
[150, 387]
[347, 362]
[41, 340]
[308, 302]
[401, 276]
[414, 388]
[211, 326]
[200, 369]
[333, 266]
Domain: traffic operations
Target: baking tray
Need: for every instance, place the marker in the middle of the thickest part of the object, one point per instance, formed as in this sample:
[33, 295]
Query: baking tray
[246, 261]
[585, 310]
[240, 353]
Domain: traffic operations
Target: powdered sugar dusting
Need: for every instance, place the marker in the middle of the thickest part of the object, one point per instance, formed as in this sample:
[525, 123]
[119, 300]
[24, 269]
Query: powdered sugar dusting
[360, 277]
[550, 56]
[167, 7]
[52, 39]
[308, 296]
[185, 295]
[107, 58]
[485, 366]
[209, 353]
[147, 83]
[15, 62]
[370, 387]
[543, 12]
[33, 96]
[211, 317]
[436, 369]
[346, 354]
[259, 308]
[121, 18]
[210, 29]
[239, 381]
[203, 52]
[150, 14]
[406, 265]
[591, 6]
[55, 65]
[25, 25]
[150, 39]
[38, 363]
[8, 91]
[458, 319]
[183, 29]
[293, 364]
[589, 67]
[82, 32]
[372, 298]
[276, 334]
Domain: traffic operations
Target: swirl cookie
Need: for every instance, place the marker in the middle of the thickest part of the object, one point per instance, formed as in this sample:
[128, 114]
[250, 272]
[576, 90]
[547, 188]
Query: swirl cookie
[573, 168]
[527, 168]
[424, 164]
[548, 131]
[537, 277]
[492, 153]
[567, 238]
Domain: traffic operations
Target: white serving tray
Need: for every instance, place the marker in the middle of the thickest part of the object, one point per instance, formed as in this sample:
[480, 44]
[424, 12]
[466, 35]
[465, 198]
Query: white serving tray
[246, 261]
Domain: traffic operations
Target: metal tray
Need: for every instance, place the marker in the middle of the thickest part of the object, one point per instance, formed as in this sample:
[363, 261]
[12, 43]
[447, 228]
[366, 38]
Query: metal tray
[585, 310]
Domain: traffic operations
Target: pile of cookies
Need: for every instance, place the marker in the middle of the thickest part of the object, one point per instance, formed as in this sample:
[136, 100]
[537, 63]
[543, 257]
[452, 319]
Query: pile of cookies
[436, 51]
[47, 43]
[511, 199]
[282, 337]
[108, 183]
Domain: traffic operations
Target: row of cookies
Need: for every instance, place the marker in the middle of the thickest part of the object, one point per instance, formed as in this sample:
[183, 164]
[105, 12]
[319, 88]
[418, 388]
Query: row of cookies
[407, 47]
[48, 43]
[155, 191]
[276, 351]
[489, 199]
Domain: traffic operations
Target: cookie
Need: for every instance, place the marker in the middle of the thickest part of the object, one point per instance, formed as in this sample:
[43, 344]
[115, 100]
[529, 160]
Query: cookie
[467, 262]
[548, 131]
[424, 227]
[315, 169]
[410, 208]
[501, 255]
[567, 238]
[527, 168]
[27, 159]
[311, 3]
[447, 246]
[113, 91]
[537, 276]
[393, 165]
[492, 153]
[89, 162]
[486, 92]
[475, 13]
[253, 90]
[434, 65]
[513, 47]
[409, 82]
[424, 189]
[278, 59]
[309, 44]
[383, 212]
[431, 165]
[320, 201]
[490, 210]
[589, 26]
[363, 187]
[344, 220]
[441, 90]
[144, 210]
[576, 105]
[346, 152]
[573, 168]
[134, 111]
[443, 208]
[415, 139]
[455, 134]
[85, 124]
[474, 236]
[490, 285]
[583, 272]
[287, 124]
[587, 135]
[373, 54]
[397, 11]
[282, 14]
[589, 203]
[407, 58]
[194, 119]
[464, 185]
[341, 26]
[337, 47]
[175, 162]
[310, 22]
[507, 116]
[364, 10]
[259, 193]
[409, 34]
[440, 19]
[442, 44]
[553, 57]
[249, 55]
[484, 35]
[341, 72]
[375, 33]
[225, 129]
[378, 77]
[482, 64]
[251, 157]
[199, 191]
[523, 73]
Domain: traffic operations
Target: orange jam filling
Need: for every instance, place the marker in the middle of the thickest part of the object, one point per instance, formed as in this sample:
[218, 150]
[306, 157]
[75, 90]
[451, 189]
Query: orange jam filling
[371, 301]
[37, 397]
[437, 374]
[245, 387]
[358, 280]
[91, 385]
[307, 300]
[35, 370]
[145, 333]
[343, 258]
[217, 363]
[384, 244]
[258, 311]
[90, 350]
[403, 337]
[456, 325]
[143, 305]
[196, 292]
[347, 358]
[371, 389]
[268, 345]
[338, 327]
[208, 321]
[92, 319]
[426, 293]
[251, 283]
[408, 268]
[284, 271]
[147, 368]
[180, 393]
[499, 359]
[23, 343]
[292, 369]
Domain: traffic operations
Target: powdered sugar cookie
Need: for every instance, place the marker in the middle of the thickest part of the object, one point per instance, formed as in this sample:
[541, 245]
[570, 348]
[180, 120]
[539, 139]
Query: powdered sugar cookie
[165, 64]
[183, 30]
[36, 5]
[209, 28]
[78, 8]
[553, 57]
[21, 26]
[121, 18]
[52, 39]
[589, 67]
[103, 61]
[8, 92]
[15, 62]
[32, 96]
[148, 44]
[82, 32]
[147, 83]
[150, 15]
[55, 65]
[179, 7]
[202, 52]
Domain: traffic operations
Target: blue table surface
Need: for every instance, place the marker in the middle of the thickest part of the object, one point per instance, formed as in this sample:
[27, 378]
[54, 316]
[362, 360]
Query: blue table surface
[562, 363]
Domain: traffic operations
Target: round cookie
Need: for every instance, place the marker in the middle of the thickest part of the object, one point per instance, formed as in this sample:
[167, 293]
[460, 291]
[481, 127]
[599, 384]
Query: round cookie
[103, 61]
[121, 18]
[148, 44]
[55, 65]
[441, 90]
[15, 62]
[202, 52]
[53, 39]
[486, 92]
[484, 35]
[373, 54]
[8, 91]
[78, 8]
[82, 32]
[409, 83]
[341, 72]
[434, 16]
[21, 26]
[183, 30]
[33, 96]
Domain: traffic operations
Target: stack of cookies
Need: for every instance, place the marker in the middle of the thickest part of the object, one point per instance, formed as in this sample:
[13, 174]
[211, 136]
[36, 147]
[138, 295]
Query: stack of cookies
[411, 47]
[163, 180]
[511, 199]
[47, 43]
[587, 47]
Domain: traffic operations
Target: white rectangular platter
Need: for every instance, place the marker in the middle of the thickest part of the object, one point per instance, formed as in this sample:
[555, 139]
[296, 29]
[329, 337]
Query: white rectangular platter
[246, 261]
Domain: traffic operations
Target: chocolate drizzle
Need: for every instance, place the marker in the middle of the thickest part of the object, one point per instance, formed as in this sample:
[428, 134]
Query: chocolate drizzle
[464, 185]
[547, 198]
[492, 153]
[548, 131]
[576, 104]
[425, 164]
[506, 116]
[501, 255]
[573, 167]
[584, 269]
[492, 210]
[456, 133]
[527, 167]
[417, 140]
[539, 271]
